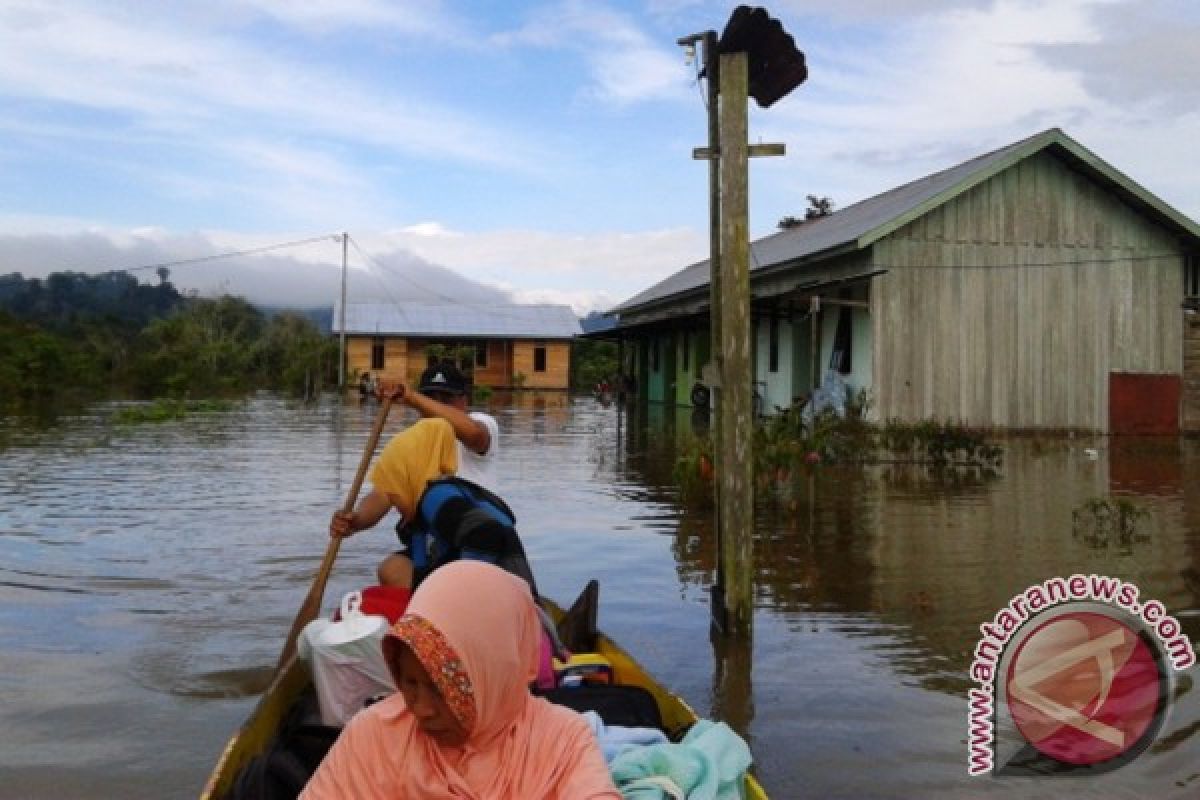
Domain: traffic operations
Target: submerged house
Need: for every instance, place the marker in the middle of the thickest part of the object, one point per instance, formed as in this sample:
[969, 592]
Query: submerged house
[1033, 287]
[510, 346]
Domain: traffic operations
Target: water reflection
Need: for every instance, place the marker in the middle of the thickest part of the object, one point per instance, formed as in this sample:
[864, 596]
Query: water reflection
[153, 570]
[910, 560]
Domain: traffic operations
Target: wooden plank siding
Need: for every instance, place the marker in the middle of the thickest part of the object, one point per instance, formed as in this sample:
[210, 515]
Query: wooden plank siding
[405, 359]
[558, 360]
[395, 358]
[979, 319]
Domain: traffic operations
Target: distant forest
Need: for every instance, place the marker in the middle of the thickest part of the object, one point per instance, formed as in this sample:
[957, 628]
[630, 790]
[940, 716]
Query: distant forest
[73, 336]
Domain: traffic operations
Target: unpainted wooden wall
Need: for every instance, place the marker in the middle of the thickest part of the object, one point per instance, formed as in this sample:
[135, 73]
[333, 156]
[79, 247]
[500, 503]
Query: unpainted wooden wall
[978, 320]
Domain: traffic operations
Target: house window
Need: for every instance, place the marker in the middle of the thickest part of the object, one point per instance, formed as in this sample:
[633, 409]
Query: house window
[687, 351]
[539, 359]
[481, 354]
[773, 345]
[377, 352]
[843, 341]
[1191, 276]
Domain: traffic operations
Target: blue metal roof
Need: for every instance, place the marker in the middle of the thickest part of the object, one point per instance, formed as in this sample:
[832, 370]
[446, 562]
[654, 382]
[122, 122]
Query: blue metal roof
[491, 321]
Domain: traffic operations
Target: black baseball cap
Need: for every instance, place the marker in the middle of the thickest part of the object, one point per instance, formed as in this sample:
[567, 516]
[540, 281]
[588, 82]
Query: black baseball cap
[443, 377]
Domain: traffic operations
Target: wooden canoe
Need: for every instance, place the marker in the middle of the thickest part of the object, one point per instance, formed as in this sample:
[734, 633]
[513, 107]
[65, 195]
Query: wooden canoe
[259, 729]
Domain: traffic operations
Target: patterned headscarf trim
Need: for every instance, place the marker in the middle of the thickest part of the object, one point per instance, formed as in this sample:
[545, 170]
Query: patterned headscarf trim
[444, 666]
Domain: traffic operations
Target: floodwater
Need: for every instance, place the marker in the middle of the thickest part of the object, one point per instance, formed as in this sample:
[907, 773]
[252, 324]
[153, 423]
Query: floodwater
[149, 573]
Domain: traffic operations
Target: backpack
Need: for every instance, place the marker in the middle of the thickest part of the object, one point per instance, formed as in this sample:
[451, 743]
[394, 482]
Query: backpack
[291, 757]
[455, 519]
[627, 706]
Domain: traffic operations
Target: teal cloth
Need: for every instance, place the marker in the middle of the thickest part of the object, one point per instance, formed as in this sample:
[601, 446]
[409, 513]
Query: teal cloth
[709, 764]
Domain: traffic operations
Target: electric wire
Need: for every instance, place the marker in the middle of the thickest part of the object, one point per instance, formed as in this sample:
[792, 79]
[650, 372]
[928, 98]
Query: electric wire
[1035, 264]
[494, 311]
[380, 265]
[231, 254]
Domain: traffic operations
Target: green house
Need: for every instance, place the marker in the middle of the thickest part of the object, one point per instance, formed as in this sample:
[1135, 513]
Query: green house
[1035, 287]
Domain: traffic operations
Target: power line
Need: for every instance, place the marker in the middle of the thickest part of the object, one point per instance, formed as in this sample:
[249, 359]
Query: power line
[379, 264]
[231, 254]
[495, 311]
[1009, 265]
[378, 280]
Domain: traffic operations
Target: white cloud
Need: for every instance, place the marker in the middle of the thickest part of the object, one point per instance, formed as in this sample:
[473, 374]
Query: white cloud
[430, 264]
[624, 64]
[896, 90]
[940, 89]
[872, 10]
[199, 84]
[528, 259]
[1143, 56]
[411, 17]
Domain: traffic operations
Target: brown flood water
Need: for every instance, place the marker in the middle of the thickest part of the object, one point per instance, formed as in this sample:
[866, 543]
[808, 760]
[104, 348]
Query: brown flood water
[149, 573]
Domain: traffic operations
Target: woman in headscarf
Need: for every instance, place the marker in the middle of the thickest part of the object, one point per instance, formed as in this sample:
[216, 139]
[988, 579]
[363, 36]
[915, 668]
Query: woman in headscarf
[463, 723]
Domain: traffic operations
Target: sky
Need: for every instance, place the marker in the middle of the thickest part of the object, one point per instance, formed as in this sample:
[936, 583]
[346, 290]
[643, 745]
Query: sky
[524, 151]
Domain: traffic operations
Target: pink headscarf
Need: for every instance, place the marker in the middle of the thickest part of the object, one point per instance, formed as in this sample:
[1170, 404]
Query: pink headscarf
[474, 628]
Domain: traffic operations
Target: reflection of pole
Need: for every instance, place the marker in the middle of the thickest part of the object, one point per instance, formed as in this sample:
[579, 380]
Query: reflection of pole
[339, 437]
[735, 429]
[733, 684]
[342, 320]
[620, 394]
[712, 63]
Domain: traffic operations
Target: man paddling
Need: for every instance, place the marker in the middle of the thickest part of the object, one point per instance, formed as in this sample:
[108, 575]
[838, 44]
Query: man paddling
[448, 440]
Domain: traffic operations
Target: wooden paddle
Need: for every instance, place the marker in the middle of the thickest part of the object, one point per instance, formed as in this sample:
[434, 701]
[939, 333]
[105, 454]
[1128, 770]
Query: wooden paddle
[312, 603]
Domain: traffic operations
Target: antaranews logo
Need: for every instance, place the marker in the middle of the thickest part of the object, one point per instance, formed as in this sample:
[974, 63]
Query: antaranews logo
[1074, 675]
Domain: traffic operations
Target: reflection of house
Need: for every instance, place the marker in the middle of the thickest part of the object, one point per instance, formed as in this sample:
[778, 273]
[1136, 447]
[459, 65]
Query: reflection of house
[1034, 287]
[504, 346]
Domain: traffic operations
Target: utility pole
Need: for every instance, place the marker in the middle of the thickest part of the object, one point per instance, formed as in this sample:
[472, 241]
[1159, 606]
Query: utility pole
[342, 315]
[735, 425]
[711, 373]
[750, 36]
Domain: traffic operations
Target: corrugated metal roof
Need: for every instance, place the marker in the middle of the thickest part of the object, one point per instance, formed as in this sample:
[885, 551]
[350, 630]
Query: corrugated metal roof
[858, 225]
[416, 319]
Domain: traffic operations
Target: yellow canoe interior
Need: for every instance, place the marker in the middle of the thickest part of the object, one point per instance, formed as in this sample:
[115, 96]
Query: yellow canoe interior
[256, 733]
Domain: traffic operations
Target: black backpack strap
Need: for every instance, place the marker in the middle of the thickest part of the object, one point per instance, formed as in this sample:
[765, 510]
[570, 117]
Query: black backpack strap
[477, 492]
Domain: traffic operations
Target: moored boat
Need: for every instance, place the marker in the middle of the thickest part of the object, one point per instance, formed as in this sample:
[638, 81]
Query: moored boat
[294, 680]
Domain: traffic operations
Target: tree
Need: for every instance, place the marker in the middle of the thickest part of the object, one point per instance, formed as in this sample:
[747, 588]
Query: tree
[817, 207]
[208, 345]
[592, 361]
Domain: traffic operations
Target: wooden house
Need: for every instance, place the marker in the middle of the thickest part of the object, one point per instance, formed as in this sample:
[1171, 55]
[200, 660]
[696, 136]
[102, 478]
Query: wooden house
[503, 347]
[1035, 287]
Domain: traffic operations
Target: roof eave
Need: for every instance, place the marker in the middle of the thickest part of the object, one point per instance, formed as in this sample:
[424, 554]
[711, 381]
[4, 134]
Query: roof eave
[759, 273]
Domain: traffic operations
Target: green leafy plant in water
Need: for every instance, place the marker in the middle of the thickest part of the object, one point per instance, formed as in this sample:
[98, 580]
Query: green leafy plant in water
[1102, 522]
[940, 444]
[693, 471]
[786, 446]
[166, 409]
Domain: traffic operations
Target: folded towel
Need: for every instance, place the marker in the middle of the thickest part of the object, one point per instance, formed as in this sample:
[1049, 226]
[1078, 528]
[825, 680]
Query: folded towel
[709, 764]
[615, 738]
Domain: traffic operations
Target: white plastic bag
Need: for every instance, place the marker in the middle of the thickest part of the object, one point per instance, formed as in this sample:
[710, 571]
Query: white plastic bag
[831, 394]
[347, 661]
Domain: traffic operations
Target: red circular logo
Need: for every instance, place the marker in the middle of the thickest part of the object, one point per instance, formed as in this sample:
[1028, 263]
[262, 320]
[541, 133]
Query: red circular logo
[1084, 688]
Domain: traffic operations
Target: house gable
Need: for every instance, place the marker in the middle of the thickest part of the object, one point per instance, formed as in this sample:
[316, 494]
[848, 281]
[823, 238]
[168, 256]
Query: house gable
[958, 180]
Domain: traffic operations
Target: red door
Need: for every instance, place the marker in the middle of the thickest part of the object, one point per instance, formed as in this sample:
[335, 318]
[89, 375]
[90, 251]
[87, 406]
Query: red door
[1143, 404]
